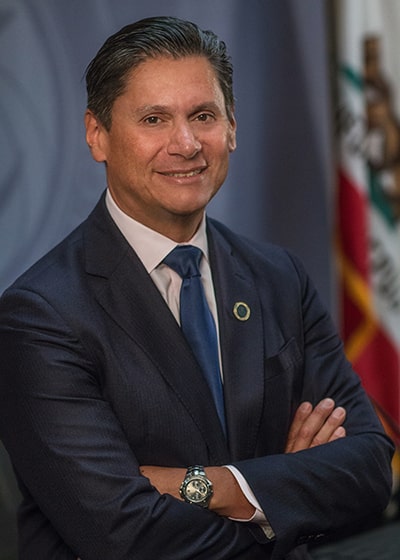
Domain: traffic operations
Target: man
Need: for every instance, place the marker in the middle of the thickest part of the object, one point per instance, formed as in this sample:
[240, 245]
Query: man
[121, 449]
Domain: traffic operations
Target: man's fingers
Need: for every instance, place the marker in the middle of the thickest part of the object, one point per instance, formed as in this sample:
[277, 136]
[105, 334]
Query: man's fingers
[338, 433]
[332, 423]
[302, 413]
[308, 434]
[312, 427]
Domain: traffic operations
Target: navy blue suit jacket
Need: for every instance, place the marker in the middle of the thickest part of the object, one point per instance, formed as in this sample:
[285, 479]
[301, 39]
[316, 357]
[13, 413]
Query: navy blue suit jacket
[97, 379]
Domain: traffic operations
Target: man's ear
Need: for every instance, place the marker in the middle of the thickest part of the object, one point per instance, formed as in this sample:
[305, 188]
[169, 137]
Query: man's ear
[96, 137]
[232, 134]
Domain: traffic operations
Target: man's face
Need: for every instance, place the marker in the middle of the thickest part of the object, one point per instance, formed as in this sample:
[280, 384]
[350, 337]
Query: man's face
[167, 150]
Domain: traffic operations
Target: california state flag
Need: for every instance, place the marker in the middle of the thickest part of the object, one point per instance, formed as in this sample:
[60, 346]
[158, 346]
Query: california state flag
[368, 46]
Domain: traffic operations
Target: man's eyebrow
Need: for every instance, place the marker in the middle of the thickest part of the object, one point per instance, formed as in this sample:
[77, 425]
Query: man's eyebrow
[148, 109]
[206, 106]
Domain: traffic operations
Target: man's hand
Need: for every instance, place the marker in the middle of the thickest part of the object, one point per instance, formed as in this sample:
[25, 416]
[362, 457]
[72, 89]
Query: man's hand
[167, 480]
[315, 426]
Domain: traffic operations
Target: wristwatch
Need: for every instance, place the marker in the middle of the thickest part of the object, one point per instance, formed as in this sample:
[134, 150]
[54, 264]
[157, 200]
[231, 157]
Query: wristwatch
[196, 488]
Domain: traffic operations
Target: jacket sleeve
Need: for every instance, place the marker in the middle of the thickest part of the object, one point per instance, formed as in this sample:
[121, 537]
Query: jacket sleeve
[326, 488]
[83, 494]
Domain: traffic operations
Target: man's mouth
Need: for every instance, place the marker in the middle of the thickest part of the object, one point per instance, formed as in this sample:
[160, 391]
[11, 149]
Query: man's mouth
[182, 174]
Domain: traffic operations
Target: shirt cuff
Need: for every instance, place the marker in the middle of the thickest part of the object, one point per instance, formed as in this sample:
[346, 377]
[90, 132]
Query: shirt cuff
[259, 516]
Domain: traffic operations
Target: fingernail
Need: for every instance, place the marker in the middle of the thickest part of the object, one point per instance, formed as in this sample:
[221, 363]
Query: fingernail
[340, 432]
[305, 406]
[338, 413]
[327, 403]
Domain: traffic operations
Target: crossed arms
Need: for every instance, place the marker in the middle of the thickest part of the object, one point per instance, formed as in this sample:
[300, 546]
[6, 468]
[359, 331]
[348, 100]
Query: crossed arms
[310, 427]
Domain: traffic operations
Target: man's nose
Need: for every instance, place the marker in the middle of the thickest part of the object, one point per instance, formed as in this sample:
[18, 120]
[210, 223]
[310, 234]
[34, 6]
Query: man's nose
[183, 141]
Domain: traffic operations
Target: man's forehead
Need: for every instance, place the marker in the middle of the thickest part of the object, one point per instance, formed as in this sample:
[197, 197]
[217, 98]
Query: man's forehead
[160, 62]
[165, 81]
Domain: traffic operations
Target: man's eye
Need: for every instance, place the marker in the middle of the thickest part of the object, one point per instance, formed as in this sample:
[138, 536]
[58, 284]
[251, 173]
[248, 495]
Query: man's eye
[152, 120]
[204, 117]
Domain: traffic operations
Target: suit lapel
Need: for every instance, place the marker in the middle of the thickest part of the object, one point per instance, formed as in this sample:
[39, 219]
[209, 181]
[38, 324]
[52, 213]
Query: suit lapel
[119, 281]
[241, 346]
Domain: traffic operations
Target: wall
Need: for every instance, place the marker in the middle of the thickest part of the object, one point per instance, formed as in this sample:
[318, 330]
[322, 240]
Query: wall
[279, 186]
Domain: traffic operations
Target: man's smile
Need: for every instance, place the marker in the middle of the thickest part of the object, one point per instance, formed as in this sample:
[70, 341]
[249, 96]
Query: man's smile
[183, 174]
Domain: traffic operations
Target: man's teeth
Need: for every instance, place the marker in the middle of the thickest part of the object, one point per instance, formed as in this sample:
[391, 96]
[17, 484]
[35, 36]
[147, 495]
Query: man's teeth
[189, 174]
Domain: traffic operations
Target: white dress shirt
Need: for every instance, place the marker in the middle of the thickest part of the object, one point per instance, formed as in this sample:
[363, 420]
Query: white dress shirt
[152, 247]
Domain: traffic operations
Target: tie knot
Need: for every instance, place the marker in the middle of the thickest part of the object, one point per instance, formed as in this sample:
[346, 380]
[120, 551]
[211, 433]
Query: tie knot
[185, 260]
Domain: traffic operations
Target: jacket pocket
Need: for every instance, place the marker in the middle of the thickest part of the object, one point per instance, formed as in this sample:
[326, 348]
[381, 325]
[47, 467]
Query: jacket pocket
[288, 358]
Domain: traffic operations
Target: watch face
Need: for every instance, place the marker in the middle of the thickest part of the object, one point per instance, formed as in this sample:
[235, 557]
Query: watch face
[196, 490]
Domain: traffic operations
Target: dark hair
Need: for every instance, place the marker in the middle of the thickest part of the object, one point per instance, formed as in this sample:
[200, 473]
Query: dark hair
[148, 38]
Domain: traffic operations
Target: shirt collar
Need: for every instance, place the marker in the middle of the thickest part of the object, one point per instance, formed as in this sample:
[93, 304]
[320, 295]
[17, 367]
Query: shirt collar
[150, 246]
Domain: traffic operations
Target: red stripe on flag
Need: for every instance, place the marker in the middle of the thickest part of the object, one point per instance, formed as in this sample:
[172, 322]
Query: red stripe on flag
[378, 367]
[352, 225]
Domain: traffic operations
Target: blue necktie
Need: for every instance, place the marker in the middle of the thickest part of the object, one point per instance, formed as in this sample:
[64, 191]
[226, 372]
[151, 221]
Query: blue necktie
[197, 322]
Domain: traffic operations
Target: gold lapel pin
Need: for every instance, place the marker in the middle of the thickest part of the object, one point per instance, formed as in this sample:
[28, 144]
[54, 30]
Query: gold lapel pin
[241, 311]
